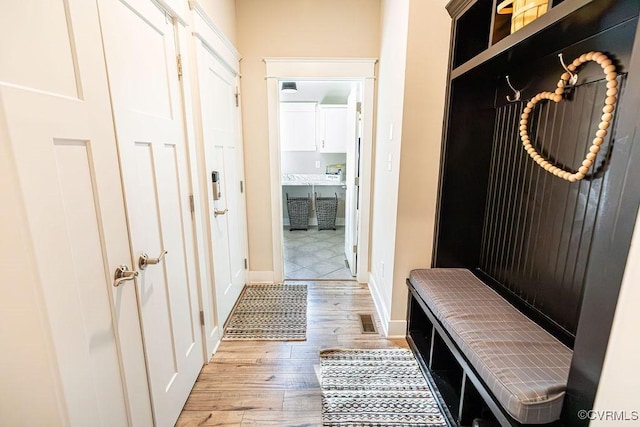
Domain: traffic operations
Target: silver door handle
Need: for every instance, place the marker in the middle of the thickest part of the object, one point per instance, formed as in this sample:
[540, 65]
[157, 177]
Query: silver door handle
[217, 212]
[123, 274]
[145, 261]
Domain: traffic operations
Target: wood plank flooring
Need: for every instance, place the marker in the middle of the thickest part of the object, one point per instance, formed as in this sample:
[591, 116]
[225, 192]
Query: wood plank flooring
[266, 383]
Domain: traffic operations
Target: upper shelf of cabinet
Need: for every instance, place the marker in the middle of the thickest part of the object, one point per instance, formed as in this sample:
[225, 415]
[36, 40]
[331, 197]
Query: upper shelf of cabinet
[481, 34]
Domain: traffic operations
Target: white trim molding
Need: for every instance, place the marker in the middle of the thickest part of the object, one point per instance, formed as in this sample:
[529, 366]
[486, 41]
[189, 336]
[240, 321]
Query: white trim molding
[214, 40]
[325, 68]
[355, 69]
[261, 277]
[179, 14]
[390, 328]
[397, 329]
[273, 116]
[381, 309]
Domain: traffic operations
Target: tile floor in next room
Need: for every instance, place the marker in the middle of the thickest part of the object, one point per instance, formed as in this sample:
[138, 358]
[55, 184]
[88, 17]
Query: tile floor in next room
[270, 383]
[315, 254]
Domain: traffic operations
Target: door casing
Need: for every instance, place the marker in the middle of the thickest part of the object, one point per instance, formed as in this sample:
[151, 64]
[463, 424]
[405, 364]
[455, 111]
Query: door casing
[361, 69]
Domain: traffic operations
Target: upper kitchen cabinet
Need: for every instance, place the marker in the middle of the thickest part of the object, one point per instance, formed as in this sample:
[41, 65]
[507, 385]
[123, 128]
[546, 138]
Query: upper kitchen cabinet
[298, 126]
[332, 125]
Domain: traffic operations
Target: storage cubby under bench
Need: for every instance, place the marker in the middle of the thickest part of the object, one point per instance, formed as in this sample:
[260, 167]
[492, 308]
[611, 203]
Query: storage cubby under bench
[487, 359]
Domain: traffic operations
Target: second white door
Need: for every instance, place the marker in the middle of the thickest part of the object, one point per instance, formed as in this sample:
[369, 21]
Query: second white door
[140, 49]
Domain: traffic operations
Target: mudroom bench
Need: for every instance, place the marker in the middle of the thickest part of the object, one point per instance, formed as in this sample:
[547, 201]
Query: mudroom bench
[487, 359]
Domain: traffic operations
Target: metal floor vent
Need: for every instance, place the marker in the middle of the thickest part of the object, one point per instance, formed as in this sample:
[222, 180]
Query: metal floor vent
[367, 325]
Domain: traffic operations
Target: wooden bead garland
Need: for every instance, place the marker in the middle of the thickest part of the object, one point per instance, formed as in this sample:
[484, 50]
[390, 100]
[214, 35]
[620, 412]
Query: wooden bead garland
[609, 105]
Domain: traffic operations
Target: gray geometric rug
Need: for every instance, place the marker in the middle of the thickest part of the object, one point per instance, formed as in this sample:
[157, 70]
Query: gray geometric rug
[383, 387]
[275, 312]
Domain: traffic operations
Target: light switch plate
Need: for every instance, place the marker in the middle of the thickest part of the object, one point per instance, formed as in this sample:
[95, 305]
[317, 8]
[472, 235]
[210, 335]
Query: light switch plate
[317, 164]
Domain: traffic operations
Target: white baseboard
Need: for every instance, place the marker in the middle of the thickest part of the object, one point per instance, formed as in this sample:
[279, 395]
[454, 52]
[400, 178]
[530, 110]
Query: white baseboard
[397, 329]
[390, 328]
[261, 276]
[381, 309]
[217, 331]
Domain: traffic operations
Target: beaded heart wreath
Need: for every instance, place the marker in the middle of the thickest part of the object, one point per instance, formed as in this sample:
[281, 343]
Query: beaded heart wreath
[609, 105]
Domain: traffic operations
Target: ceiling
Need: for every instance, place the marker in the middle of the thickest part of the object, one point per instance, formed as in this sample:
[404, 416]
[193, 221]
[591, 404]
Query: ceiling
[322, 92]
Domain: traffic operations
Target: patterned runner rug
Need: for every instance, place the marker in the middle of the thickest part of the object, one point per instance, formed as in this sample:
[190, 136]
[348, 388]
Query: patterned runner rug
[382, 387]
[276, 312]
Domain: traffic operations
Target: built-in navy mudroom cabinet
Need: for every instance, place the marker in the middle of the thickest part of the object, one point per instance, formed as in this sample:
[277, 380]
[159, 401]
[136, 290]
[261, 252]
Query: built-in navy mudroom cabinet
[555, 249]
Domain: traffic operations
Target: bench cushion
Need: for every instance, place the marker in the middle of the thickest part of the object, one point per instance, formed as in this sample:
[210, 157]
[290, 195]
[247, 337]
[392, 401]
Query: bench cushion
[525, 367]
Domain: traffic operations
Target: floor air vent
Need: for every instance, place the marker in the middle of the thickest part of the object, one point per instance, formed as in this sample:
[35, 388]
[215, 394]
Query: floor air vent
[367, 325]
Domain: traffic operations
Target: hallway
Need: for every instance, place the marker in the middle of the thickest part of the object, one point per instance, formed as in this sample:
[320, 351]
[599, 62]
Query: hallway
[261, 383]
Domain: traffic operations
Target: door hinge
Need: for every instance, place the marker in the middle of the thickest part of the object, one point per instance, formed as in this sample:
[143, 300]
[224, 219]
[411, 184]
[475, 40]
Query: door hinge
[246, 264]
[355, 249]
[192, 204]
[237, 95]
[179, 64]
[359, 107]
[202, 317]
[241, 187]
[356, 181]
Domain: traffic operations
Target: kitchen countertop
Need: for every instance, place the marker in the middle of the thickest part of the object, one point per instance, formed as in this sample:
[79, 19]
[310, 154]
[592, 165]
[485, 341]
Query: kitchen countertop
[299, 179]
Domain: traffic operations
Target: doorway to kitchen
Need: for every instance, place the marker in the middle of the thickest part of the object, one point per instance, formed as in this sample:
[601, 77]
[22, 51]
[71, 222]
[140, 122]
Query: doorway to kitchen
[319, 141]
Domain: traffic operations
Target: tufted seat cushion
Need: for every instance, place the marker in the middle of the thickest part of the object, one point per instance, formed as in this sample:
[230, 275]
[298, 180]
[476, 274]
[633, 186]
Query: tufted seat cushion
[525, 367]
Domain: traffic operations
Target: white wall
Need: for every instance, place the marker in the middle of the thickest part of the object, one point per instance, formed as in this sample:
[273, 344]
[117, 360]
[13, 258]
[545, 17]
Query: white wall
[305, 161]
[391, 80]
[411, 92]
[619, 388]
[424, 99]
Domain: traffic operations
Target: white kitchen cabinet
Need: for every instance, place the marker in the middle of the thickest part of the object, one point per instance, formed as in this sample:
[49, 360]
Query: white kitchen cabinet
[333, 120]
[298, 126]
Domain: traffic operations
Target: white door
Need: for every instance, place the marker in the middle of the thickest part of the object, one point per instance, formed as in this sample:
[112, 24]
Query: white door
[223, 154]
[352, 174]
[55, 119]
[140, 49]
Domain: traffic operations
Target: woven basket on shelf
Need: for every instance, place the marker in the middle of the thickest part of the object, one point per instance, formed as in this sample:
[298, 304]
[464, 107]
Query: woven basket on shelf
[524, 11]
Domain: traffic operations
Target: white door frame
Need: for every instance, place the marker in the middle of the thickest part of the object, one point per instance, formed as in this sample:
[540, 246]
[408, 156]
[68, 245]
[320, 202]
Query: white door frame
[362, 69]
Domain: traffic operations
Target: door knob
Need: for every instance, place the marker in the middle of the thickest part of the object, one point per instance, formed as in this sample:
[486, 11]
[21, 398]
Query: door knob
[217, 212]
[123, 274]
[144, 260]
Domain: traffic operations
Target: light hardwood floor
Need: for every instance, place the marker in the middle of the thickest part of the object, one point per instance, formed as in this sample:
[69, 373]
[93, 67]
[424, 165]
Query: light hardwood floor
[266, 383]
